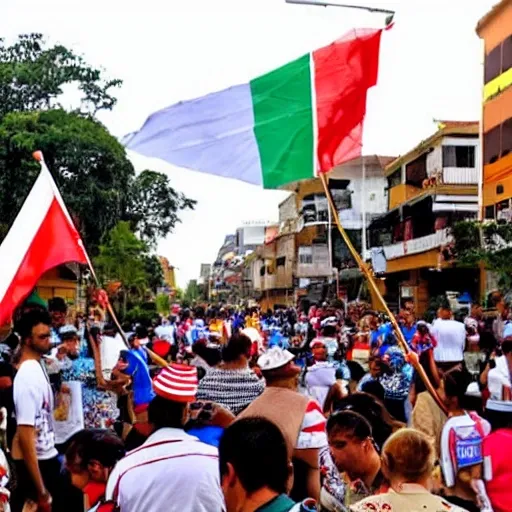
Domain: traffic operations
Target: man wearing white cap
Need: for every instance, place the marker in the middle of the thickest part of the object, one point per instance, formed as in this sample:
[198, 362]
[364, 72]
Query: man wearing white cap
[171, 471]
[299, 418]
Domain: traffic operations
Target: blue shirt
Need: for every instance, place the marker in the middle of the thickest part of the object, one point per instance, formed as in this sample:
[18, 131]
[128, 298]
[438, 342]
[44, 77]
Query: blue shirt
[408, 333]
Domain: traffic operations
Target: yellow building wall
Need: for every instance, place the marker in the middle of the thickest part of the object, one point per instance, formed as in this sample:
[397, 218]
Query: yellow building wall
[402, 193]
[51, 285]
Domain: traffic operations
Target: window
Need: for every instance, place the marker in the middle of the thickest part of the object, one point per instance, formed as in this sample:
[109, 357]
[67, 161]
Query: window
[499, 189]
[459, 156]
[315, 208]
[506, 137]
[395, 178]
[416, 171]
[506, 54]
[492, 145]
[493, 64]
[489, 212]
[306, 255]
[280, 262]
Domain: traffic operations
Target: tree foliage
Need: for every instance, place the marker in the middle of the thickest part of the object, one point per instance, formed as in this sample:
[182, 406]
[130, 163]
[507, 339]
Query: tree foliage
[154, 205]
[489, 243]
[122, 258]
[154, 272]
[163, 303]
[192, 292]
[97, 181]
[32, 77]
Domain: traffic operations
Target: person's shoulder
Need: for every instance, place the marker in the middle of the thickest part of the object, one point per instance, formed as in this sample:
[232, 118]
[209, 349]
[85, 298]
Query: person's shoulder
[29, 370]
[371, 503]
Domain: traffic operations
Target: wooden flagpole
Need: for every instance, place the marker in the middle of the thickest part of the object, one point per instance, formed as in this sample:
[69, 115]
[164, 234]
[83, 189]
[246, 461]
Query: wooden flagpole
[373, 285]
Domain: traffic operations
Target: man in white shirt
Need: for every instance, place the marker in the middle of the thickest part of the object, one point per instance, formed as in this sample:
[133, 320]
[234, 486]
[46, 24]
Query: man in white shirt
[171, 471]
[34, 453]
[451, 340]
[165, 331]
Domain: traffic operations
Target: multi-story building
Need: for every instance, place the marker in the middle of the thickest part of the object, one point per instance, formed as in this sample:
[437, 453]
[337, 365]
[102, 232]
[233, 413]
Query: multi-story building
[308, 256]
[495, 28]
[429, 188]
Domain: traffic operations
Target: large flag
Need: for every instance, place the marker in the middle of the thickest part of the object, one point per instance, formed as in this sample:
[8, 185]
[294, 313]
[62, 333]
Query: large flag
[42, 236]
[300, 119]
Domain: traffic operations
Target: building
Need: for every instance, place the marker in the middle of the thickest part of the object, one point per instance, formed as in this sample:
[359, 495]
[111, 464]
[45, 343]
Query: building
[428, 189]
[495, 28]
[308, 256]
[231, 276]
[169, 273]
[62, 282]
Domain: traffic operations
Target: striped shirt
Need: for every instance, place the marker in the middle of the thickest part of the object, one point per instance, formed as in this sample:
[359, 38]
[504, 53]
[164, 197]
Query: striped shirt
[233, 389]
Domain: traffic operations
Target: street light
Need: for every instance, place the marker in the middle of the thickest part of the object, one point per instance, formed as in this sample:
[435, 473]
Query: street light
[321, 3]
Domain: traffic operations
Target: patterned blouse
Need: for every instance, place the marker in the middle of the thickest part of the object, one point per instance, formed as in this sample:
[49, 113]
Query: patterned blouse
[100, 407]
[233, 389]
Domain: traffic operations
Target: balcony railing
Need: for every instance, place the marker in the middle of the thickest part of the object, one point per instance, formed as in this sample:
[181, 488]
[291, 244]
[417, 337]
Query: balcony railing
[418, 245]
[460, 176]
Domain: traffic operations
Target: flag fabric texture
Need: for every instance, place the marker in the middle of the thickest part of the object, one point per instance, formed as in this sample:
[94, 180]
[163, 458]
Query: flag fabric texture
[289, 124]
[42, 237]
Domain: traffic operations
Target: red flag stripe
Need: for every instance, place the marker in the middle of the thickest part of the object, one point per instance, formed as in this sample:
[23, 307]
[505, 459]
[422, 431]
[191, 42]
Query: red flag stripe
[48, 239]
[344, 71]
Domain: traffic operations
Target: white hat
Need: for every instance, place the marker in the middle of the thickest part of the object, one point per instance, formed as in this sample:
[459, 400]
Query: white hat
[473, 390]
[317, 341]
[275, 358]
[68, 329]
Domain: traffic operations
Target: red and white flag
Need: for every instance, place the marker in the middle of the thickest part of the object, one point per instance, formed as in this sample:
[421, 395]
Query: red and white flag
[42, 236]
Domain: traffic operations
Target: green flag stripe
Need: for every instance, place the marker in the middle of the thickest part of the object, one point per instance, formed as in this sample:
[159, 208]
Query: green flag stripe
[283, 123]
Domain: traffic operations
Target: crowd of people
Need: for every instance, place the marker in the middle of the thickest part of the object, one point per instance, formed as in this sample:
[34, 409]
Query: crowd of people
[221, 408]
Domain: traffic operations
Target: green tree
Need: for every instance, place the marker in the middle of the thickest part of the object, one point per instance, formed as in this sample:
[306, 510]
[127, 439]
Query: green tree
[192, 292]
[163, 303]
[96, 179]
[32, 77]
[89, 166]
[154, 272]
[489, 243]
[122, 258]
[154, 205]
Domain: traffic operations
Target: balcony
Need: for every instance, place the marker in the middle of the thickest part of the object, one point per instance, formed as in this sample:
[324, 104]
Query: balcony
[460, 176]
[418, 245]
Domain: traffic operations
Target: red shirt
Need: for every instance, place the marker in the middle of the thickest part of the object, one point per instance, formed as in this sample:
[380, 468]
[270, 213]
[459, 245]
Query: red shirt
[498, 448]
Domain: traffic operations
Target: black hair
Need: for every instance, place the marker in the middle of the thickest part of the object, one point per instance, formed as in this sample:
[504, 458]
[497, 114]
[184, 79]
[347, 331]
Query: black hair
[29, 320]
[57, 304]
[498, 419]
[257, 450]
[141, 332]
[351, 422]
[456, 382]
[371, 408]
[374, 388]
[506, 346]
[356, 370]
[163, 413]
[237, 346]
[212, 356]
[103, 445]
[329, 331]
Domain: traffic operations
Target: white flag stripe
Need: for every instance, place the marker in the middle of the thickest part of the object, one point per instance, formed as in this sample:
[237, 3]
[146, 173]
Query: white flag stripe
[21, 234]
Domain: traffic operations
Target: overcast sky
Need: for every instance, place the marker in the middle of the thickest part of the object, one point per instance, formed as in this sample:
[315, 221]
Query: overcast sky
[167, 51]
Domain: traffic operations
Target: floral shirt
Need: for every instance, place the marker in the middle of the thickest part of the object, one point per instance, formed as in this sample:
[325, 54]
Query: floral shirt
[100, 407]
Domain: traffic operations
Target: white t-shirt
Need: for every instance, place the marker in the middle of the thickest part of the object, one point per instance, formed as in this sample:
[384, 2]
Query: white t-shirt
[451, 340]
[33, 402]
